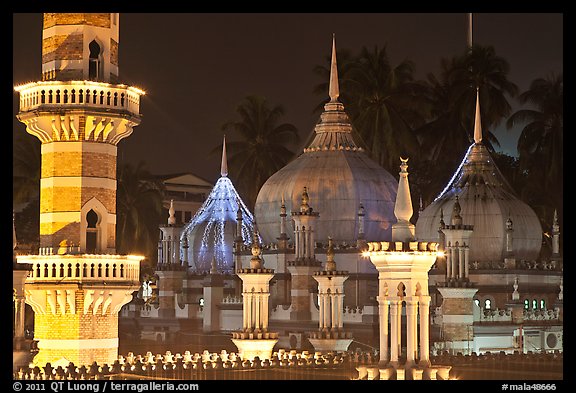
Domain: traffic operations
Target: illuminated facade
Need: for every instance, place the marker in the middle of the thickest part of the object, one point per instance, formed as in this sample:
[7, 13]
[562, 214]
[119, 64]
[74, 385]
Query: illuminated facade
[77, 284]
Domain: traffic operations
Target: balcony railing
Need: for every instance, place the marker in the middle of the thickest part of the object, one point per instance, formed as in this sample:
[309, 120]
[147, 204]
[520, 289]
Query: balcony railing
[86, 267]
[79, 94]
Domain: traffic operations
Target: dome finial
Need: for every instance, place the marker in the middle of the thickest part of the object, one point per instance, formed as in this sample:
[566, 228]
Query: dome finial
[171, 218]
[334, 90]
[224, 164]
[477, 123]
[403, 206]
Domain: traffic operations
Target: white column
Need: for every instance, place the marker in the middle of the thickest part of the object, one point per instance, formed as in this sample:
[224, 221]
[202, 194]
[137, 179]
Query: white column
[327, 310]
[461, 261]
[395, 314]
[340, 307]
[466, 260]
[448, 262]
[333, 311]
[297, 241]
[258, 305]
[264, 313]
[320, 309]
[19, 305]
[383, 306]
[311, 243]
[454, 252]
[424, 329]
[410, 331]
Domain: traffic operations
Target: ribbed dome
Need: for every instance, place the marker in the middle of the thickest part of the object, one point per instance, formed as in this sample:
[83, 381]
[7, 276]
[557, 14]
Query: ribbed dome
[213, 229]
[339, 177]
[487, 202]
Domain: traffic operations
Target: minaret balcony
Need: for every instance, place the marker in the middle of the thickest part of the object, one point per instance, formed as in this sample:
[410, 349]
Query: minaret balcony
[86, 95]
[83, 268]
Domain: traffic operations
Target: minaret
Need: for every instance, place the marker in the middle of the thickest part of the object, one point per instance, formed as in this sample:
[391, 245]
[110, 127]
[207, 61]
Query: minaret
[330, 336]
[283, 238]
[254, 340]
[305, 262]
[170, 270]
[361, 241]
[457, 237]
[403, 266]
[79, 112]
[555, 237]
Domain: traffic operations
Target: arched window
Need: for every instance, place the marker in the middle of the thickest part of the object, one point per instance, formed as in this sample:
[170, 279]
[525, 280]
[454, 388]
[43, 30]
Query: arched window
[91, 232]
[201, 302]
[477, 302]
[94, 71]
[543, 304]
[487, 304]
[534, 304]
[526, 304]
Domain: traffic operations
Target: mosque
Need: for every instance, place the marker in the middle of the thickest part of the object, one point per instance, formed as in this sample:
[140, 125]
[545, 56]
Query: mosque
[329, 261]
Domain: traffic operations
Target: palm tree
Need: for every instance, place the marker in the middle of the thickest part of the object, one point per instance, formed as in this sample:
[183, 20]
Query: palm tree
[139, 210]
[445, 137]
[541, 141]
[385, 106]
[263, 148]
[481, 68]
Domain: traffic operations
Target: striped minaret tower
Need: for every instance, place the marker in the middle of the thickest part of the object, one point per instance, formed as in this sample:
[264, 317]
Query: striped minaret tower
[79, 112]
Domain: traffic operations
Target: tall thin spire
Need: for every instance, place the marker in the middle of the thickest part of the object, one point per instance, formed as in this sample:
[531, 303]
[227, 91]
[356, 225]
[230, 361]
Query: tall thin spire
[469, 31]
[224, 165]
[477, 123]
[334, 90]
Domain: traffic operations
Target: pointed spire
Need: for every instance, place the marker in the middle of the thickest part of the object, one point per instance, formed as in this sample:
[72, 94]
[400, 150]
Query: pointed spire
[403, 207]
[456, 209]
[330, 263]
[171, 218]
[334, 90]
[224, 165]
[469, 37]
[477, 123]
[213, 269]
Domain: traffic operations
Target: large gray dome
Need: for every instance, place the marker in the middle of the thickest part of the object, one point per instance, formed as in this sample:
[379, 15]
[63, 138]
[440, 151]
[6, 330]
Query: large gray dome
[487, 202]
[339, 177]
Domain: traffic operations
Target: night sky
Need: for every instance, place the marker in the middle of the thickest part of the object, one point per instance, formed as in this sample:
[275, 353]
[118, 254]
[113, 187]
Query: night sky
[196, 68]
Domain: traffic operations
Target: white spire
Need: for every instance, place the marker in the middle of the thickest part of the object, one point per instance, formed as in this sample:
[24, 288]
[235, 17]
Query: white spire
[403, 230]
[403, 206]
[334, 90]
[469, 31]
[477, 124]
[171, 218]
[224, 165]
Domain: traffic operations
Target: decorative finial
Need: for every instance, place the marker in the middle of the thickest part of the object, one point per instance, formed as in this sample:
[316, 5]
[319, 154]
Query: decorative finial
[304, 208]
[555, 224]
[421, 208]
[255, 262]
[334, 90]
[515, 294]
[224, 164]
[456, 209]
[403, 206]
[442, 223]
[171, 218]
[477, 123]
[213, 269]
[330, 264]
[561, 293]
[361, 211]
[509, 224]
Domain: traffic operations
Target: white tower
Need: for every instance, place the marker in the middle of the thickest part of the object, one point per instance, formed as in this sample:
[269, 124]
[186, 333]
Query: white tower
[254, 340]
[403, 266]
[330, 335]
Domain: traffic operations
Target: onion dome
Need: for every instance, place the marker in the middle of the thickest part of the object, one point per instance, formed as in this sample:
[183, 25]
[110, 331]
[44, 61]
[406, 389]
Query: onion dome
[211, 233]
[487, 202]
[338, 175]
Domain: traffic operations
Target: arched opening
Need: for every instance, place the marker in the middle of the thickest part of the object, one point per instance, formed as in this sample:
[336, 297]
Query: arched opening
[534, 304]
[91, 232]
[526, 304]
[95, 64]
[487, 304]
[542, 304]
